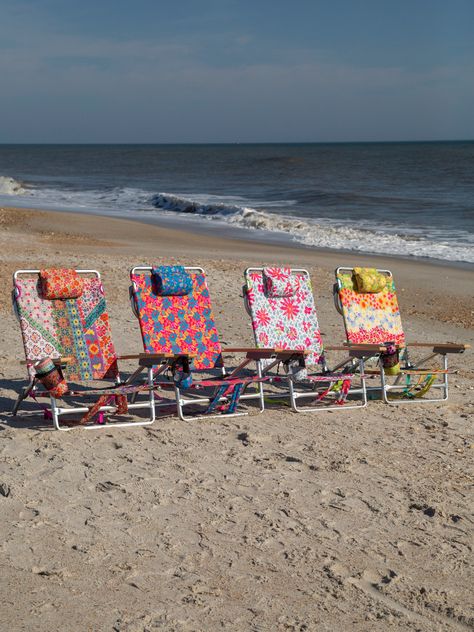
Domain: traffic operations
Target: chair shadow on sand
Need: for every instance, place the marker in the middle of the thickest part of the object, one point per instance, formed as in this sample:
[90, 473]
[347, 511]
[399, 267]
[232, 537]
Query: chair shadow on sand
[33, 418]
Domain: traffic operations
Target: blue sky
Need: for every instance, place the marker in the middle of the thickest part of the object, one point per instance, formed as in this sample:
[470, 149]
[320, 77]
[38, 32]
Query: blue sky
[236, 71]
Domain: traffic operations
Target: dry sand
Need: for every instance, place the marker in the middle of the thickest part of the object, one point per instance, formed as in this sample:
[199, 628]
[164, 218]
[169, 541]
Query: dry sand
[350, 520]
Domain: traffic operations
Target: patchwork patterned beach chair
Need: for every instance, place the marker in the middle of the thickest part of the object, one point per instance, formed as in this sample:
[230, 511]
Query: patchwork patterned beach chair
[173, 306]
[367, 300]
[68, 348]
[281, 305]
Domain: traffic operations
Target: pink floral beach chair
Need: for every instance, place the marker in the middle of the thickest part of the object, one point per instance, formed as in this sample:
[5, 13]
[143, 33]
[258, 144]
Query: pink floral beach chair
[367, 300]
[68, 348]
[281, 305]
[173, 306]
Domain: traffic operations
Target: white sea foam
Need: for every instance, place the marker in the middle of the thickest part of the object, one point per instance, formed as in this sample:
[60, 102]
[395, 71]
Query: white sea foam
[255, 216]
[10, 186]
[329, 233]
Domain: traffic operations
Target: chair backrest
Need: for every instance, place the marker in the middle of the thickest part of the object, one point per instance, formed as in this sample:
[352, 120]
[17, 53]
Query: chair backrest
[75, 327]
[368, 317]
[176, 324]
[285, 322]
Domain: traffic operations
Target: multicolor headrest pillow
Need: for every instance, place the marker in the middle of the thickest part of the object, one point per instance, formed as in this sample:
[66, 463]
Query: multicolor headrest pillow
[171, 281]
[60, 283]
[368, 280]
[279, 282]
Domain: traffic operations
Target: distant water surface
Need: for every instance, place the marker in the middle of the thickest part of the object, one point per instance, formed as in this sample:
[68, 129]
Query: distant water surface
[410, 199]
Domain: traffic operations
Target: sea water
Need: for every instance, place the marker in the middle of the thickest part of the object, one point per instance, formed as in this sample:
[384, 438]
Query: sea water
[409, 199]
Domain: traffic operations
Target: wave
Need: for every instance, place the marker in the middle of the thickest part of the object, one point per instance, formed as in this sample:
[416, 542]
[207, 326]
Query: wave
[324, 232]
[361, 235]
[10, 186]
[170, 202]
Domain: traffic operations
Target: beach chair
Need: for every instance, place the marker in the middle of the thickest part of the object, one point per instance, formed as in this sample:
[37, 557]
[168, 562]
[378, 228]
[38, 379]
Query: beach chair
[281, 306]
[68, 348]
[367, 300]
[173, 306]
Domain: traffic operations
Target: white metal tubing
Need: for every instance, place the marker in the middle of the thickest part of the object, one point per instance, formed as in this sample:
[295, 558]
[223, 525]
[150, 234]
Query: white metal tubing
[56, 411]
[337, 300]
[395, 401]
[350, 269]
[136, 269]
[295, 395]
[260, 386]
[18, 272]
[116, 424]
[181, 403]
[84, 409]
[206, 400]
[385, 387]
[292, 392]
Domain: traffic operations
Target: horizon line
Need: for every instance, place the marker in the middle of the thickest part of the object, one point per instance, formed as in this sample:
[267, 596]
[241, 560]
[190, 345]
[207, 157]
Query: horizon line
[311, 142]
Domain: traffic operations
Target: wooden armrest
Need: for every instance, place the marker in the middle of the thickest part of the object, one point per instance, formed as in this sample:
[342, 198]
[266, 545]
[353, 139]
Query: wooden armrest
[150, 359]
[155, 356]
[63, 360]
[369, 347]
[57, 361]
[360, 350]
[443, 347]
[256, 353]
[244, 349]
[138, 356]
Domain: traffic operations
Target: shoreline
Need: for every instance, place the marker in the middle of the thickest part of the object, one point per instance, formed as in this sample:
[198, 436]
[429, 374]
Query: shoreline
[52, 238]
[238, 235]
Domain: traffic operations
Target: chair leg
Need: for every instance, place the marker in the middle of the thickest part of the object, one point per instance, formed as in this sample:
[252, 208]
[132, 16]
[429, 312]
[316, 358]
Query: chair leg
[55, 414]
[152, 395]
[261, 393]
[23, 395]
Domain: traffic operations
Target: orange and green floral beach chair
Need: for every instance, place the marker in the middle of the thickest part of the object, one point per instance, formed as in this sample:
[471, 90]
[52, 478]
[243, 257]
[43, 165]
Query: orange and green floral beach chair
[367, 300]
[69, 351]
[280, 303]
[173, 306]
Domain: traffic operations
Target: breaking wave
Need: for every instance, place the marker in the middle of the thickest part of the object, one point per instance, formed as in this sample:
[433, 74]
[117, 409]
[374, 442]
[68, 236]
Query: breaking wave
[329, 233]
[272, 218]
[10, 186]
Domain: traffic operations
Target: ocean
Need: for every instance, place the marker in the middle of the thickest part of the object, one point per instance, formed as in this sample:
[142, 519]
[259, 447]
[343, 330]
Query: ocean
[409, 199]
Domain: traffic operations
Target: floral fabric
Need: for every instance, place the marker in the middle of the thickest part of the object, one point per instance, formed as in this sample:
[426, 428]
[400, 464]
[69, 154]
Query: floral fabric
[60, 283]
[76, 327]
[285, 322]
[370, 317]
[178, 324]
[171, 280]
[278, 282]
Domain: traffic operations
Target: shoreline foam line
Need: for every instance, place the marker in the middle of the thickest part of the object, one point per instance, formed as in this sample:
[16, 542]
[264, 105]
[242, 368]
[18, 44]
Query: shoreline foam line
[230, 213]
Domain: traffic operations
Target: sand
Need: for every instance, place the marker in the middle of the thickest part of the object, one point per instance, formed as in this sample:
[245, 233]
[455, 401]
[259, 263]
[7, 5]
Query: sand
[349, 520]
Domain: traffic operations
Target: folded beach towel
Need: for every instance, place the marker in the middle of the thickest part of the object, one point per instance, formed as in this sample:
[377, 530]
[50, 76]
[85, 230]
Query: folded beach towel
[172, 280]
[60, 283]
[368, 280]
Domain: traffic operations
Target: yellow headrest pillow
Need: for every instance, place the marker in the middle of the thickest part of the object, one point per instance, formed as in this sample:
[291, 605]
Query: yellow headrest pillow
[368, 280]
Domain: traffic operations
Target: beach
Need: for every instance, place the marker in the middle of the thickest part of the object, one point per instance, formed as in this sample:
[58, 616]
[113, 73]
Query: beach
[347, 520]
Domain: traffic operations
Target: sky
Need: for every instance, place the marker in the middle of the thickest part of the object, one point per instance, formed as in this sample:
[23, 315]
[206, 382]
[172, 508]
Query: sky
[191, 71]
